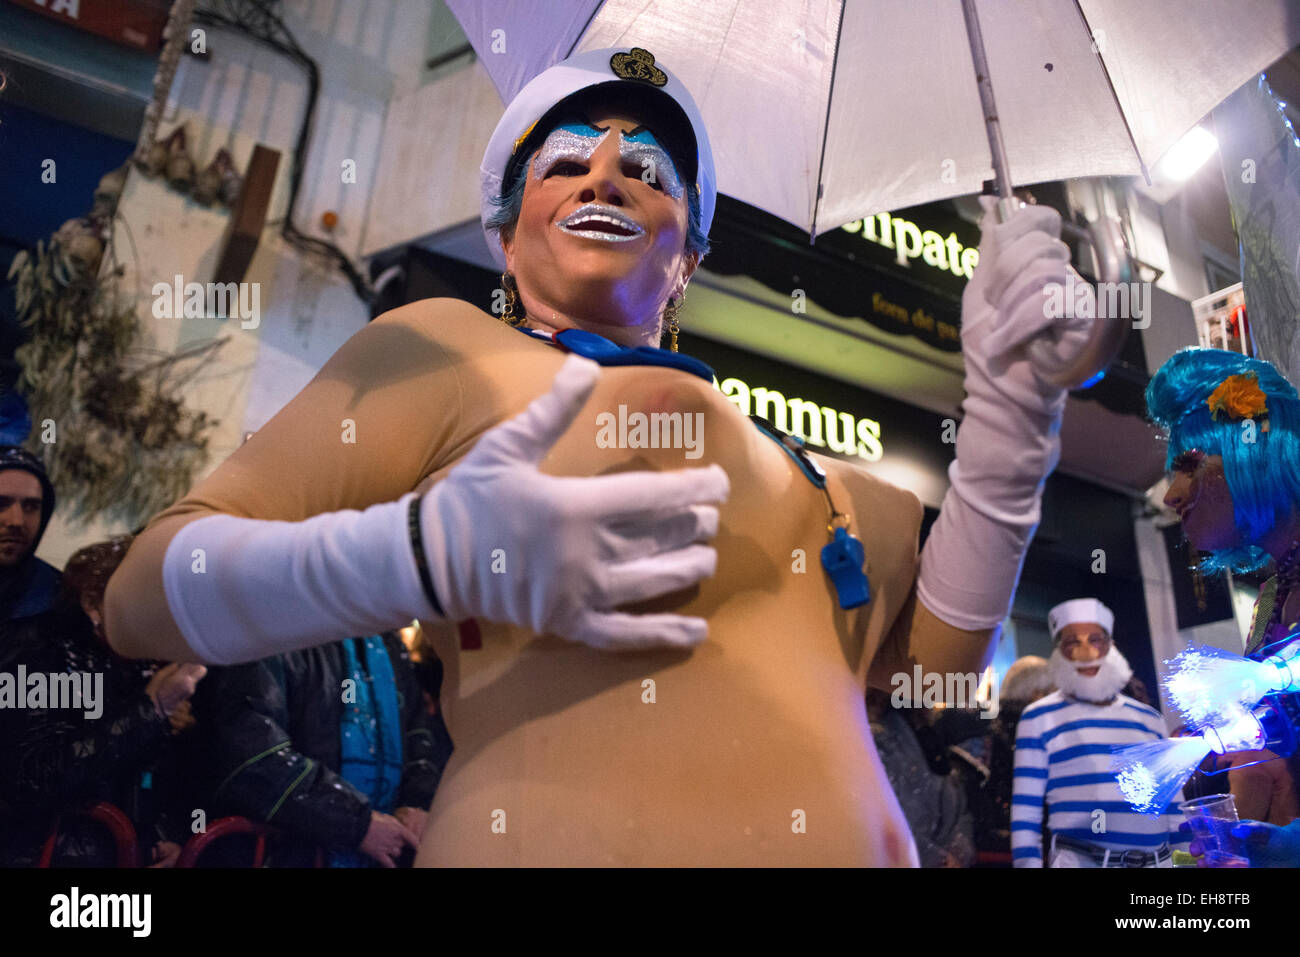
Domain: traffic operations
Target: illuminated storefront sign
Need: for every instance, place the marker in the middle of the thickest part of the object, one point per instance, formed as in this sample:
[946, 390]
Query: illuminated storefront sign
[910, 242]
[854, 271]
[818, 425]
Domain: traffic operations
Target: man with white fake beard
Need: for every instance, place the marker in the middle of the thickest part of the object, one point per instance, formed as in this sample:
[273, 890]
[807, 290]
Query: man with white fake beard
[1063, 756]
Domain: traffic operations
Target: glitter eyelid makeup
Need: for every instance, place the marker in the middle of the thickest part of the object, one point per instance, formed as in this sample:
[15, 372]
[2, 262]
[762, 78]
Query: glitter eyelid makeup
[572, 141]
[578, 141]
[644, 150]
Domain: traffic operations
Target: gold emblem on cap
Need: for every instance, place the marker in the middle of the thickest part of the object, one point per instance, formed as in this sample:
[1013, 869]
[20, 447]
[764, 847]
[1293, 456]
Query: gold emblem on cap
[638, 65]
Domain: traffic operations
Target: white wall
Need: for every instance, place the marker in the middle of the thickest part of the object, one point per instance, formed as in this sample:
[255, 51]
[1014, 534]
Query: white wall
[243, 95]
[1166, 637]
[1186, 276]
[428, 178]
[1165, 237]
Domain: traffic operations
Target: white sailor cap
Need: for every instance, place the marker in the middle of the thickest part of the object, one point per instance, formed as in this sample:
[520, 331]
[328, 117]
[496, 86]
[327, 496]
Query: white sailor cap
[1077, 611]
[637, 75]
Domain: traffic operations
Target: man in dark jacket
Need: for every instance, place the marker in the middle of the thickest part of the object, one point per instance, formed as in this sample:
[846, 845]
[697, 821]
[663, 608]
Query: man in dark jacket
[28, 585]
[333, 746]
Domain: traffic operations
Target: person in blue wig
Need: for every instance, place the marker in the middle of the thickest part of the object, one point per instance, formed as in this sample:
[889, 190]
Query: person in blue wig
[1233, 427]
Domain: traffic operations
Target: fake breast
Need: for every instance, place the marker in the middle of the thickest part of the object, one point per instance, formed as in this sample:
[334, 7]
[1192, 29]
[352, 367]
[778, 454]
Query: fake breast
[644, 418]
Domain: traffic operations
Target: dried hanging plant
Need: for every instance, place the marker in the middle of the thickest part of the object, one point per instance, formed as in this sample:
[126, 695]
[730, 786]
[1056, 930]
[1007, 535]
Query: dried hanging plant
[125, 446]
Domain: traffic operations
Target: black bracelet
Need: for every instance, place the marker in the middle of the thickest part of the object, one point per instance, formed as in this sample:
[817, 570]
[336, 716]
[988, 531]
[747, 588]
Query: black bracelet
[421, 561]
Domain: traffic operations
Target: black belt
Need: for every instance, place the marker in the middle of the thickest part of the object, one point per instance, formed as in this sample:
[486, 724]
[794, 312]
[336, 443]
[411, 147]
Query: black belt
[1127, 858]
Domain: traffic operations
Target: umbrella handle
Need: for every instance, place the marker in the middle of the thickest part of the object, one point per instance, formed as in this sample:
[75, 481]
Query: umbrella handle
[1109, 333]
[1108, 337]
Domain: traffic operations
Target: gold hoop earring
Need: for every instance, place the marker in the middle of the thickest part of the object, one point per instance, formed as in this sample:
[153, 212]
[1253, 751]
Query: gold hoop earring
[670, 317]
[512, 299]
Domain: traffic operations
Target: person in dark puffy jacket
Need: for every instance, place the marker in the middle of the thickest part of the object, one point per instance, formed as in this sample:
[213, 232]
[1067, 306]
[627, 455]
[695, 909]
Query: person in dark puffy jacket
[115, 744]
[337, 747]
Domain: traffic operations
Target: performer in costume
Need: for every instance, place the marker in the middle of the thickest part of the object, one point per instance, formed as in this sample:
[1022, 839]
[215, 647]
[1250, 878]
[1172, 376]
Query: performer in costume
[750, 748]
[1233, 428]
[1063, 754]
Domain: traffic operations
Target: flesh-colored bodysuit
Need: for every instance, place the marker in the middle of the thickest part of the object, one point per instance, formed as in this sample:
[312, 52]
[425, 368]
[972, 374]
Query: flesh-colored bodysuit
[751, 749]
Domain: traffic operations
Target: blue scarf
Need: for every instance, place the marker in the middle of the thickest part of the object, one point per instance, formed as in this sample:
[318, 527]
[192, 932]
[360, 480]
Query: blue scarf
[370, 734]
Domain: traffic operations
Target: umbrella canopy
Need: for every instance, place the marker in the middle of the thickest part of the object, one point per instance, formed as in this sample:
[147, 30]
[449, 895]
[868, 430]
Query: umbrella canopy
[825, 111]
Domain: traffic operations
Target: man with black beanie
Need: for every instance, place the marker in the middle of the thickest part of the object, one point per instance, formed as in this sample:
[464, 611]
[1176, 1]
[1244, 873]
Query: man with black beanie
[28, 585]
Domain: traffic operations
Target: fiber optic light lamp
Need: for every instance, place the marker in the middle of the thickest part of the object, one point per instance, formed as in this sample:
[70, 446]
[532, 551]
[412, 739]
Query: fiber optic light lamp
[1210, 686]
[1246, 733]
[1269, 726]
[1287, 663]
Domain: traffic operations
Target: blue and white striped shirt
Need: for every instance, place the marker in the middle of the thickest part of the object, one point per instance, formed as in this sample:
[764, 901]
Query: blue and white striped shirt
[1063, 761]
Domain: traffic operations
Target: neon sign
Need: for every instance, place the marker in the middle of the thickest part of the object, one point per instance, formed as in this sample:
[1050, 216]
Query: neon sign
[910, 242]
[817, 425]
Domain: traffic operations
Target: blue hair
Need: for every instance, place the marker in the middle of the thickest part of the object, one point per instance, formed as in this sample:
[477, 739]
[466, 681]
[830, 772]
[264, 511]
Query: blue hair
[1263, 475]
[507, 206]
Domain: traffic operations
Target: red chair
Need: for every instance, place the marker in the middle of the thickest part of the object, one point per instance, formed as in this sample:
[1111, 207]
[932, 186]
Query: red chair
[228, 827]
[108, 815]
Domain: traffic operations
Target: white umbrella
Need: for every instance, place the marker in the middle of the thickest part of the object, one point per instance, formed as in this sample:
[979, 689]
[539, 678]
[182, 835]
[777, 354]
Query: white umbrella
[825, 111]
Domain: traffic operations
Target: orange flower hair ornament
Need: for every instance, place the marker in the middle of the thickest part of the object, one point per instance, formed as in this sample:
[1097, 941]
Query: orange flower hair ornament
[1239, 397]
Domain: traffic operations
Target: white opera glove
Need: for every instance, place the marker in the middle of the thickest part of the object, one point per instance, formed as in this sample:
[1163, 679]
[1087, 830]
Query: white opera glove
[573, 548]
[1009, 440]
[557, 555]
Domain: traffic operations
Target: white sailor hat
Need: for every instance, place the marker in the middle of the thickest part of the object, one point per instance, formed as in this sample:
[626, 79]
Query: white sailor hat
[1077, 611]
[637, 77]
